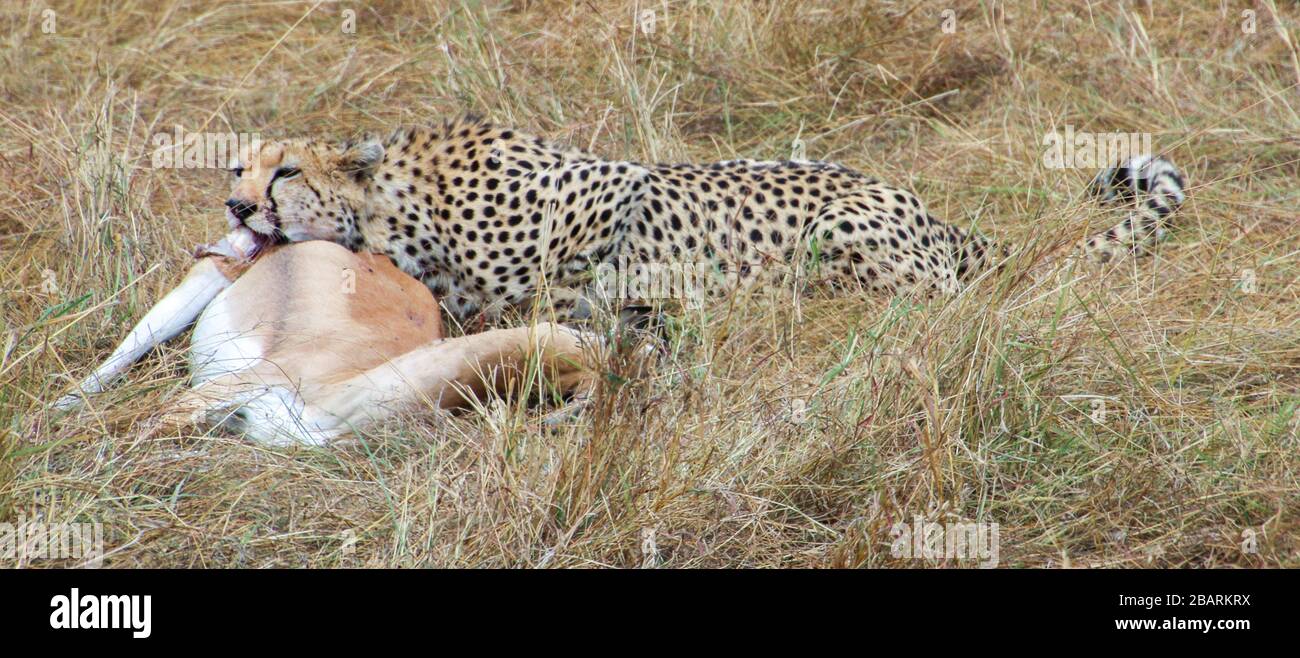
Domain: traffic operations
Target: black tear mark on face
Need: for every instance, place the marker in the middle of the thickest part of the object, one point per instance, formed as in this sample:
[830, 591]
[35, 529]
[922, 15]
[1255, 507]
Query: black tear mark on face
[281, 173]
[271, 206]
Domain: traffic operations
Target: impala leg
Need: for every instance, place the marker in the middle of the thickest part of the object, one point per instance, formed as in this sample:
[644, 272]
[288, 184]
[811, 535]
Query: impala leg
[447, 372]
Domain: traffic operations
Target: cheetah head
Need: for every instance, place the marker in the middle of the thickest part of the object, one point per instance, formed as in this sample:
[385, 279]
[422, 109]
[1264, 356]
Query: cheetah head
[298, 190]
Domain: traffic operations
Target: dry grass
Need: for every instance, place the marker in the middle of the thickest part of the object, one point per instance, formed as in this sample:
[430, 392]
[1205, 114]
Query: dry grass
[972, 408]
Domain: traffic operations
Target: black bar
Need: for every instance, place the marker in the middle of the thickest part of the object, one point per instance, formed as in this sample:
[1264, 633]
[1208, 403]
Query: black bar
[228, 607]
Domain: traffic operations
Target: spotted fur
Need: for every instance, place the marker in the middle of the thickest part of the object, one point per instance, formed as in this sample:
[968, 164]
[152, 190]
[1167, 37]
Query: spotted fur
[1153, 188]
[487, 216]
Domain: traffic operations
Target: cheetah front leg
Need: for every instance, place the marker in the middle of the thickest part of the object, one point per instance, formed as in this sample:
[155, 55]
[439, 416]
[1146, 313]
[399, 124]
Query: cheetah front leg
[567, 306]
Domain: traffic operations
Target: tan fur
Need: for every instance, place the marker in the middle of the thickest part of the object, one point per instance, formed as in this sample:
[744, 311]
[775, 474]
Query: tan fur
[326, 314]
[329, 340]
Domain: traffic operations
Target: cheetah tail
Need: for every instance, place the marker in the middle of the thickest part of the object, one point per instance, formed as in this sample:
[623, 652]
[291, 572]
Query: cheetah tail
[1153, 188]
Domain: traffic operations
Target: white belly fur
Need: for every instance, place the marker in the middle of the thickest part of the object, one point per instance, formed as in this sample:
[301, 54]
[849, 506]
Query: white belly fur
[231, 339]
[224, 343]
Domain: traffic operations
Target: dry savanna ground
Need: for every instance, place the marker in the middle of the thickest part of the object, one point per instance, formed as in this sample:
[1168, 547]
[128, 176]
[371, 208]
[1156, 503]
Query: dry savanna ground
[1141, 416]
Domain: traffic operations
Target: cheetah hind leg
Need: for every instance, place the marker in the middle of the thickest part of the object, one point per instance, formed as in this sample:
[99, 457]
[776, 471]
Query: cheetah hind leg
[859, 242]
[635, 321]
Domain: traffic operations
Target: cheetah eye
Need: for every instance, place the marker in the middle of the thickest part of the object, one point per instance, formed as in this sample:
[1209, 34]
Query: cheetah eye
[287, 172]
[237, 171]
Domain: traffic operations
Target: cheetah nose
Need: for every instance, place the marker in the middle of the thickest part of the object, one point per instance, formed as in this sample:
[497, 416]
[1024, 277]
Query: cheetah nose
[241, 209]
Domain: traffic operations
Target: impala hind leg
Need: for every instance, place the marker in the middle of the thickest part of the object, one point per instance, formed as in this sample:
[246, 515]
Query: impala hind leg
[448, 373]
[257, 405]
[192, 410]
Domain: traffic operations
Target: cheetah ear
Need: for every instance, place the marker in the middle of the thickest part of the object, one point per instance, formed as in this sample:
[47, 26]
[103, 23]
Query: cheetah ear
[359, 159]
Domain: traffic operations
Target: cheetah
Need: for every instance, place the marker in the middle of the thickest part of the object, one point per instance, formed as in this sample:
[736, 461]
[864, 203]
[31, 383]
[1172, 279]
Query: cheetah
[488, 217]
